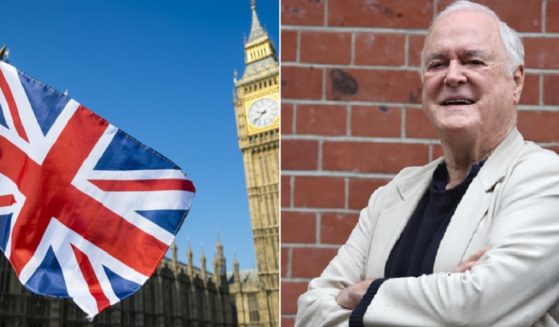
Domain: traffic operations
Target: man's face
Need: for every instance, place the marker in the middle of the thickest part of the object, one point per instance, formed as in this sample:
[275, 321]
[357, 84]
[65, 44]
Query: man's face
[466, 83]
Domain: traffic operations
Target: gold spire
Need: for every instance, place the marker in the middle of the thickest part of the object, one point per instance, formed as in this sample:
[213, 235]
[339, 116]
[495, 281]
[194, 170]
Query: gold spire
[219, 245]
[203, 263]
[189, 256]
[260, 54]
[236, 270]
[256, 30]
[175, 260]
[189, 252]
[235, 262]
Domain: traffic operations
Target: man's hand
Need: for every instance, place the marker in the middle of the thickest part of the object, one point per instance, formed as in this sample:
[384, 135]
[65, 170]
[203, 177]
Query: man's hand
[350, 296]
[472, 260]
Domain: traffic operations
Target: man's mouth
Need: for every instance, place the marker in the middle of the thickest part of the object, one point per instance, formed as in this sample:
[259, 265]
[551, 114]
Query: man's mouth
[457, 102]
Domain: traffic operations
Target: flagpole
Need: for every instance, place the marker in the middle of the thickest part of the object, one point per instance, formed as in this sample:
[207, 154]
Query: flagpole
[4, 51]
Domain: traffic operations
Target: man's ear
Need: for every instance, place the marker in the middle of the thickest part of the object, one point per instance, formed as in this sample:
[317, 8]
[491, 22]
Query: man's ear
[518, 78]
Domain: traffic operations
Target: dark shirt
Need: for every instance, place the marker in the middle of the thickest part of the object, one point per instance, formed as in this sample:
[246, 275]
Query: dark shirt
[414, 253]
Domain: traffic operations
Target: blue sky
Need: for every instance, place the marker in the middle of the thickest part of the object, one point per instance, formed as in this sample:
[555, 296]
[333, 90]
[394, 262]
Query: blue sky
[161, 71]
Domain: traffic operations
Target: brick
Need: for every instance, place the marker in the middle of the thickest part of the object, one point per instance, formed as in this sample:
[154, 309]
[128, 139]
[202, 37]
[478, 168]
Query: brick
[540, 126]
[523, 16]
[336, 227]
[310, 262]
[301, 83]
[288, 46]
[290, 291]
[321, 120]
[319, 192]
[326, 47]
[414, 50]
[299, 155]
[286, 119]
[379, 49]
[551, 90]
[373, 85]
[541, 52]
[302, 12]
[287, 321]
[552, 24]
[376, 121]
[285, 191]
[285, 262]
[371, 157]
[360, 190]
[531, 90]
[418, 125]
[298, 227]
[380, 13]
[437, 151]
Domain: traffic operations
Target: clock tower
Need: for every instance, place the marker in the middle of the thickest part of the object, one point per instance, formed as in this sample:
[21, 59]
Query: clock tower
[257, 112]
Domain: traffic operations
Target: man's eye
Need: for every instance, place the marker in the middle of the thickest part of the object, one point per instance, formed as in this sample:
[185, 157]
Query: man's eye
[475, 62]
[434, 65]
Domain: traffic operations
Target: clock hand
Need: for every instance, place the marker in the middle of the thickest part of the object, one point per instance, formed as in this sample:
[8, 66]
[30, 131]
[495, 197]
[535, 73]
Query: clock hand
[261, 114]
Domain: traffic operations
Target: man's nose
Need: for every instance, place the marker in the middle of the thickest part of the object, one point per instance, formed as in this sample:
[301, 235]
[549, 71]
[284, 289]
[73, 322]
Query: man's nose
[454, 74]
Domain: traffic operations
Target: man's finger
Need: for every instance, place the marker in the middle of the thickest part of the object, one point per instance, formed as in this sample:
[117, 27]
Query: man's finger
[350, 296]
[466, 266]
[476, 256]
[472, 260]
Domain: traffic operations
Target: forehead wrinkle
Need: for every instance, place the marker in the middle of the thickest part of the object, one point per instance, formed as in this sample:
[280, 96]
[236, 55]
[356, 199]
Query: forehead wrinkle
[462, 53]
[474, 53]
[450, 21]
[444, 54]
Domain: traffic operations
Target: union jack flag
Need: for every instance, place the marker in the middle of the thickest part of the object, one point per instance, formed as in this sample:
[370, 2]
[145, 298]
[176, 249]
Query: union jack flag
[86, 211]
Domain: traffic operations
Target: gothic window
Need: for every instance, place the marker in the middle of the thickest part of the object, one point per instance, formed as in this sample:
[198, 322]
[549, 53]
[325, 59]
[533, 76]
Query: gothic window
[253, 308]
[200, 303]
[184, 294]
[212, 304]
[264, 168]
[167, 286]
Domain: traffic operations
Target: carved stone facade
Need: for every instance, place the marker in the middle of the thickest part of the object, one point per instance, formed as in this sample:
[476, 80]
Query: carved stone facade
[257, 115]
[177, 295]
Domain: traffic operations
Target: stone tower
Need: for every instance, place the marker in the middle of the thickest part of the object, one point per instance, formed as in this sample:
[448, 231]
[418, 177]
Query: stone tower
[257, 114]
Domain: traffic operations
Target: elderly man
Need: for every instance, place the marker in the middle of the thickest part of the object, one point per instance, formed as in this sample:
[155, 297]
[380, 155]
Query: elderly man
[471, 238]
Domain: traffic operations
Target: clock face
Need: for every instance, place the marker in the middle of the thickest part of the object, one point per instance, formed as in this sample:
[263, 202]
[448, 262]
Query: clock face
[263, 112]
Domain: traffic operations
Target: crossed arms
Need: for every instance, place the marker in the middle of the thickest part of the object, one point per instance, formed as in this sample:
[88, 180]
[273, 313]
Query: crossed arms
[514, 284]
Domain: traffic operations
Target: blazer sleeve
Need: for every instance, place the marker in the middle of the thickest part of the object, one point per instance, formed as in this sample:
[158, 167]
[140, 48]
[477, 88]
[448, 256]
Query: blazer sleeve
[318, 306]
[514, 284]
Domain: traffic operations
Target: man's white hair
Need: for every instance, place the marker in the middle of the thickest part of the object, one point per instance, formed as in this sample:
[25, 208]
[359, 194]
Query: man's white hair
[510, 38]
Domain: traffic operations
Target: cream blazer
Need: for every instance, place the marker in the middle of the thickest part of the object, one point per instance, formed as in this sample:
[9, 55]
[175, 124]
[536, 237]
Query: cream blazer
[512, 206]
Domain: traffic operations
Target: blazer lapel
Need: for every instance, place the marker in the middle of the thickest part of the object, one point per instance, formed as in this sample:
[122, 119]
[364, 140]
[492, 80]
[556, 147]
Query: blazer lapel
[391, 221]
[462, 226]
[475, 204]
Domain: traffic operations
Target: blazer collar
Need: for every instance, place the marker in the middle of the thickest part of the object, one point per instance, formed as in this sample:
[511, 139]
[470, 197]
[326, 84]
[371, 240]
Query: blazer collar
[468, 214]
[496, 165]
[414, 185]
[392, 220]
[475, 203]
[493, 170]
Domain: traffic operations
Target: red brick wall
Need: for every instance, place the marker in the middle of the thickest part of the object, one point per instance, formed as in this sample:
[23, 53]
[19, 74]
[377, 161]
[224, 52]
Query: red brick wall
[352, 118]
